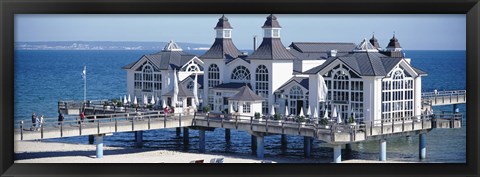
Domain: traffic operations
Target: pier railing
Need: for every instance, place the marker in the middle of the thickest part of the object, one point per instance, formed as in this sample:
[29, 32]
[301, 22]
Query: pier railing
[445, 97]
[93, 124]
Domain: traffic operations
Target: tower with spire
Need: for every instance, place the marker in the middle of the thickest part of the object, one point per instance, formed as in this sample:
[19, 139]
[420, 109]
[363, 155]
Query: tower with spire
[394, 45]
[374, 42]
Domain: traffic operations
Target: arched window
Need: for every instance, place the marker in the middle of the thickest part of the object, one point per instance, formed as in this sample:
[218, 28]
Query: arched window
[345, 92]
[261, 85]
[240, 73]
[213, 76]
[192, 68]
[397, 96]
[296, 98]
[147, 78]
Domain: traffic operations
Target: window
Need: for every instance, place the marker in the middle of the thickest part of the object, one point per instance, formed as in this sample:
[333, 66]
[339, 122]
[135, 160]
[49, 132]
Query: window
[157, 78]
[227, 33]
[397, 96]
[276, 33]
[261, 85]
[213, 76]
[138, 81]
[345, 90]
[295, 94]
[246, 107]
[147, 78]
[240, 73]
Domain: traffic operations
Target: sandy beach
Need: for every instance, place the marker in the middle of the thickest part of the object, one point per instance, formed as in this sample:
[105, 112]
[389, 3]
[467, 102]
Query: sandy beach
[50, 152]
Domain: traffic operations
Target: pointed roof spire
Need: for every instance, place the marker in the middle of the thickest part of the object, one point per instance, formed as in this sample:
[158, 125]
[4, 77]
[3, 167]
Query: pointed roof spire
[374, 41]
[271, 22]
[223, 23]
[172, 46]
[394, 42]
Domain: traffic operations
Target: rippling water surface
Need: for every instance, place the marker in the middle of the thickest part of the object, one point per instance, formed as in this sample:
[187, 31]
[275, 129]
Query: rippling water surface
[44, 77]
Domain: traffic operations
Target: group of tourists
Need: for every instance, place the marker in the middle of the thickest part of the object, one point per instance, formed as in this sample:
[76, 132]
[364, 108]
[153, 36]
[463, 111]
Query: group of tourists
[168, 110]
[37, 122]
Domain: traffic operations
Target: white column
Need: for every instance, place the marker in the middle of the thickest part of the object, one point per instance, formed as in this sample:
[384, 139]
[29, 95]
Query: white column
[383, 150]
[337, 153]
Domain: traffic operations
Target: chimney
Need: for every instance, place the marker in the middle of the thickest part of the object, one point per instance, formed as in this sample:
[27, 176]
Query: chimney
[332, 53]
[254, 43]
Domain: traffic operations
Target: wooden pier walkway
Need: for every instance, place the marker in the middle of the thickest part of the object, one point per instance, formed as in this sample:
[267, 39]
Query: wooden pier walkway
[103, 120]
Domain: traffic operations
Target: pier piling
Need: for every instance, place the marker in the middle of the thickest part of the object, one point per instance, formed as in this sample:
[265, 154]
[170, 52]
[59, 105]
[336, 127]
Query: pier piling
[185, 136]
[201, 140]
[254, 145]
[91, 139]
[337, 153]
[99, 144]
[422, 149]
[383, 150]
[283, 142]
[307, 146]
[139, 139]
[178, 131]
[227, 135]
[260, 147]
[455, 108]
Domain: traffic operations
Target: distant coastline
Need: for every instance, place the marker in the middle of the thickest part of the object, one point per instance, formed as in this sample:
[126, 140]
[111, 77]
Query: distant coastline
[103, 45]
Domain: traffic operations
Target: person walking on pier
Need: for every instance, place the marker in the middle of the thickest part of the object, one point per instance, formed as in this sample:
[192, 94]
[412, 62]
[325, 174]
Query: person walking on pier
[60, 118]
[37, 123]
[34, 120]
[82, 117]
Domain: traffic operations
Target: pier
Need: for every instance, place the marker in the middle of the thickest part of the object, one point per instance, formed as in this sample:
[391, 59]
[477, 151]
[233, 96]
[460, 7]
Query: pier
[102, 120]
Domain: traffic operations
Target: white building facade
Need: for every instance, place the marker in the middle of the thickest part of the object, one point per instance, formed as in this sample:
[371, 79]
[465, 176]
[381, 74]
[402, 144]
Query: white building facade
[363, 80]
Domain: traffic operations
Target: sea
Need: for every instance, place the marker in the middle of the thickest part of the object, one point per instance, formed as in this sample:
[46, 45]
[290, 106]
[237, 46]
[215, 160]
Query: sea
[43, 77]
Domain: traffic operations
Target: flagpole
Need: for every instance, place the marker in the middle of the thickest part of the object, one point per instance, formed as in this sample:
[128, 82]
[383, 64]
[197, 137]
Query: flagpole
[85, 84]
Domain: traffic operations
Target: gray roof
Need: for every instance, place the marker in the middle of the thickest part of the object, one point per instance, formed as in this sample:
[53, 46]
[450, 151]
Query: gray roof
[271, 22]
[166, 59]
[230, 86]
[246, 94]
[363, 63]
[182, 92]
[222, 48]
[322, 47]
[419, 71]
[223, 23]
[271, 49]
[394, 43]
[303, 81]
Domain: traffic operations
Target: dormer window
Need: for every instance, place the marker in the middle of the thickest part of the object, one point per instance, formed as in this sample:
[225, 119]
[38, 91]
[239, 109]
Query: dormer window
[276, 32]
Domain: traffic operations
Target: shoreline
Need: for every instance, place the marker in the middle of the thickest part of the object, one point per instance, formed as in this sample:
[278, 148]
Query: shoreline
[53, 152]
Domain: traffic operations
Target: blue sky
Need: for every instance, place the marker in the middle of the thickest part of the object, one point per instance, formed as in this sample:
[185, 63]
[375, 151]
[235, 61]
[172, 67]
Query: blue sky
[415, 32]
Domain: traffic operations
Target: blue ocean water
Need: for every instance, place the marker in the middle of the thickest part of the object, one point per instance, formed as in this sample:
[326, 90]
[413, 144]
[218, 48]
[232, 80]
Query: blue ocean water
[42, 78]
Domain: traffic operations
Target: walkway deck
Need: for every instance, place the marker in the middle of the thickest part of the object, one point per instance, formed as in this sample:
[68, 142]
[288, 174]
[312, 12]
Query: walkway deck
[445, 97]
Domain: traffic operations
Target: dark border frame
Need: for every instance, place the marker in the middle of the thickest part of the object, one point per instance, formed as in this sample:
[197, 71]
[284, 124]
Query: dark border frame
[10, 7]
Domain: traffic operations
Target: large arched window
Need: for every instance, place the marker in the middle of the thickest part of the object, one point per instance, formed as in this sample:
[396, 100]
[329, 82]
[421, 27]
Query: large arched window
[240, 73]
[296, 99]
[345, 92]
[397, 96]
[147, 78]
[213, 76]
[261, 85]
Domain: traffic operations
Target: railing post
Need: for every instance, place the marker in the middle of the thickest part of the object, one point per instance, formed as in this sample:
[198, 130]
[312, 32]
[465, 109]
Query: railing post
[393, 126]
[116, 125]
[194, 122]
[41, 130]
[266, 125]
[371, 128]
[423, 118]
[403, 124]
[80, 127]
[149, 122]
[413, 124]
[283, 127]
[298, 122]
[221, 120]
[208, 121]
[98, 126]
[61, 129]
[133, 124]
[164, 120]
[180, 120]
[236, 122]
[21, 130]
[381, 125]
